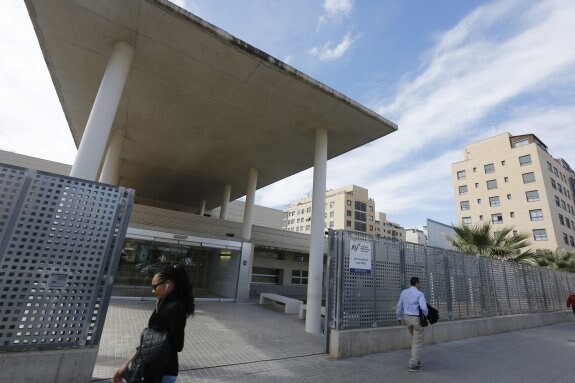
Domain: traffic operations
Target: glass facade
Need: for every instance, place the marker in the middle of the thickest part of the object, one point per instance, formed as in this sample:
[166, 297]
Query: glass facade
[213, 270]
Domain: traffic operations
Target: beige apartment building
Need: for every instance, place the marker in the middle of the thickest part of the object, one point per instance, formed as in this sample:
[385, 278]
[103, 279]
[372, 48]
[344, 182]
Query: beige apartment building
[346, 208]
[514, 181]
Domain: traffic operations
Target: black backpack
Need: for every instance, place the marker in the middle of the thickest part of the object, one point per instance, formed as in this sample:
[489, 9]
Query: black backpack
[432, 315]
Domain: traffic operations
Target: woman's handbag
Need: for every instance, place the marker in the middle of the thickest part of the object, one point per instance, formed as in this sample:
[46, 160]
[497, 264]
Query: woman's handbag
[150, 359]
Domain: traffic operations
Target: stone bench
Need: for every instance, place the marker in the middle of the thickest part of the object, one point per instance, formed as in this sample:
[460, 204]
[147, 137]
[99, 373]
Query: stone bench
[303, 308]
[292, 305]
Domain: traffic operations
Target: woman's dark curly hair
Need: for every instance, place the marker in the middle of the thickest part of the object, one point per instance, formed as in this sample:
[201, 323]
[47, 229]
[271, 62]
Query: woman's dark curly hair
[177, 274]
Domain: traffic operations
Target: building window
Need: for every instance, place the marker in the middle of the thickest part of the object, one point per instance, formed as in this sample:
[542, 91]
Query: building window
[299, 277]
[560, 188]
[265, 276]
[463, 189]
[509, 196]
[481, 217]
[348, 202]
[370, 227]
[568, 222]
[371, 209]
[479, 201]
[565, 238]
[348, 213]
[464, 205]
[557, 201]
[360, 226]
[555, 171]
[348, 223]
[505, 179]
[528, 177]
[525, 160]
[563, 205]
[489, 168]
[503, 163]
[330, 224]
[476, 185]
[461, 175]
[561, 219]
[492, 184]
[370, 218]
[540, 234]
[553, 183]
[332, 204]
[571, 242]
[360, 216]
[494, 201]
[474, 170]
[332, 214]
[466, 220]
[536, 215]
[549, 167]
[512, 214]
[496, 218]
[307, 227]
[532, 195]
[308, 210]
[521, 142]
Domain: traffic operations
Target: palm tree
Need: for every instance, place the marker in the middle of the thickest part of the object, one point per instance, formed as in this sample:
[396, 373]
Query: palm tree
[560, 259]
[482, 240]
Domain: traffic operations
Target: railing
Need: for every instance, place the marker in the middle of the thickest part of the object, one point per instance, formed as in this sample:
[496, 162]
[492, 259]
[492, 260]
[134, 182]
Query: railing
[60, 243]
[460, 286]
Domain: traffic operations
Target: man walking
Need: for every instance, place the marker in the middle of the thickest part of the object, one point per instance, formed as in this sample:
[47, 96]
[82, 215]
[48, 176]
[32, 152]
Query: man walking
[571, 301]
[410, 301]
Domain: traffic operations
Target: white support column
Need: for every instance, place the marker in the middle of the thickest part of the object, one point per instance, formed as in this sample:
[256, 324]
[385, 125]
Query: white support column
[315, 273]
[203, 208]
[111, 168]
[250, 202]
[225, 201]
[95, 138]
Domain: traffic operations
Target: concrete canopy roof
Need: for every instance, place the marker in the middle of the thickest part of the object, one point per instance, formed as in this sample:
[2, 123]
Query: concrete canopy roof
[200, 106]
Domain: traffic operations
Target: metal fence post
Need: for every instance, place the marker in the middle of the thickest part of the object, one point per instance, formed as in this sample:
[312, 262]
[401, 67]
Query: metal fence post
[524, 272]
[545, 303]
[450, 293]
[481, 293]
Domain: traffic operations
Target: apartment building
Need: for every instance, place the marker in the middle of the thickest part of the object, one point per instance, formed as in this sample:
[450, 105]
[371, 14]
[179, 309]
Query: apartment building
[514, 181]
[416, 236]
[346, 208]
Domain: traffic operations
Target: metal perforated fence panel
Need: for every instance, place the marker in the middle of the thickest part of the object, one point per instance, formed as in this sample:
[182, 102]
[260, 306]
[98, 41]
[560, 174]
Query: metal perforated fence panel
[460, 286]
[60, 243]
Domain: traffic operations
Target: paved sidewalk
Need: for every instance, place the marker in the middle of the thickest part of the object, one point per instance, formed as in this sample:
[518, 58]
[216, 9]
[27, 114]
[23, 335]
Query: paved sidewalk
[229, 342]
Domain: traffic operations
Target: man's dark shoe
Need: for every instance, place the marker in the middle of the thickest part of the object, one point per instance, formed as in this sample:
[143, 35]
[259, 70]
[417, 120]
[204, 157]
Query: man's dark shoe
[416, 368]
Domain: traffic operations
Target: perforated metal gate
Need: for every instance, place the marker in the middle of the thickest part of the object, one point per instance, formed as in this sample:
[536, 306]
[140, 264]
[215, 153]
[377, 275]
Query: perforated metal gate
[60, 243]
[460, 286]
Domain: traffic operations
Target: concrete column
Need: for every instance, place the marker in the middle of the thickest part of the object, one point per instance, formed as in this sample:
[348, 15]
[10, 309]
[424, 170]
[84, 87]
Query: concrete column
[111, 168]
[203, 208]
[315, 274]
[225, 201]
[95, 138]
[245, 274]
[250, 202]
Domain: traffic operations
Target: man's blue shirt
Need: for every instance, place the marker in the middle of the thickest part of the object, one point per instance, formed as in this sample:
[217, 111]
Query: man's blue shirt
[410, 301]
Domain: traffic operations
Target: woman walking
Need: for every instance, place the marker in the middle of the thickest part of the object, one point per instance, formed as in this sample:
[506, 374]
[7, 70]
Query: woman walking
[175, 302]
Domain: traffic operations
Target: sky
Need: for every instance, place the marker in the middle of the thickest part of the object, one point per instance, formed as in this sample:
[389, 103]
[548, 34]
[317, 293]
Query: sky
[447, 72]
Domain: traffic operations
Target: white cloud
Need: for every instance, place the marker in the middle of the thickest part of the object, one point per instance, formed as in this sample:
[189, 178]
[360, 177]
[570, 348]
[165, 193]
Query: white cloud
[335, 11]
[327, 53]
[337, 8]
